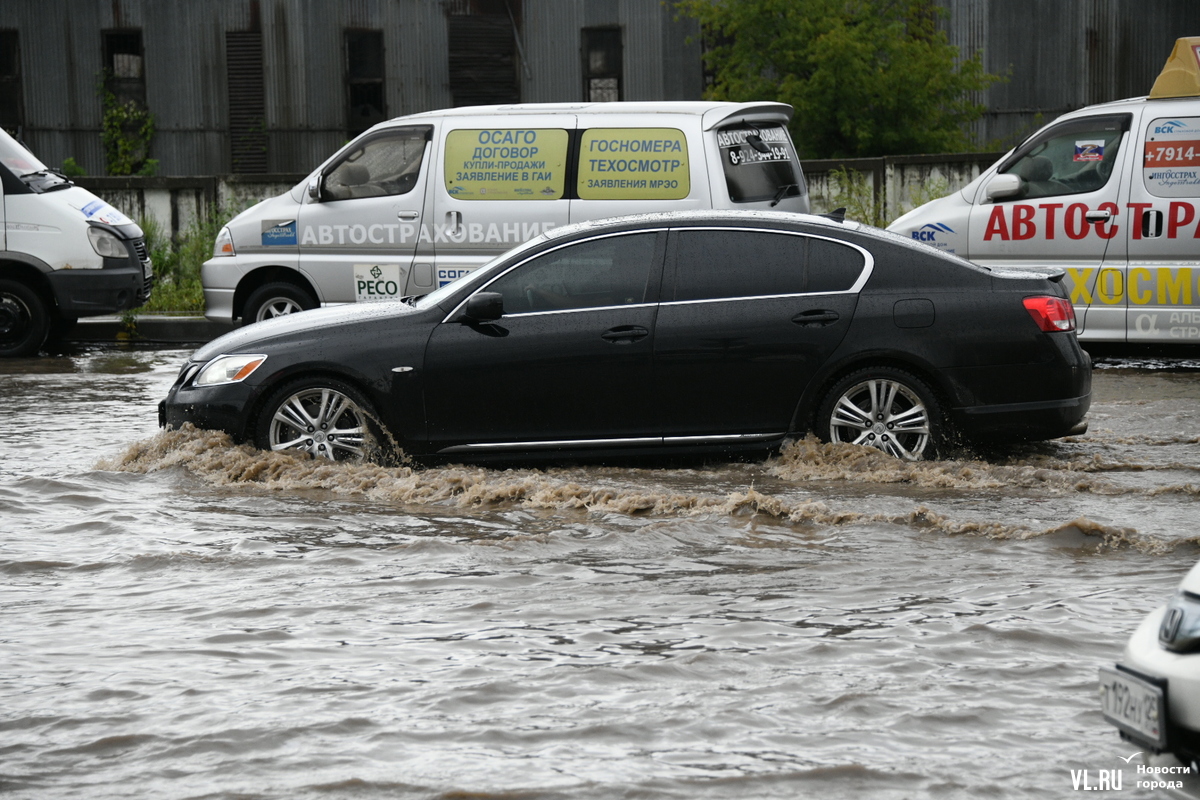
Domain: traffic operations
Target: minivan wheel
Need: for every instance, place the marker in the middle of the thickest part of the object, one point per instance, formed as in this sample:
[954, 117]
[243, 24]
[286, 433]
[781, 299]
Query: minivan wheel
[276, 300]
[24, 320]
[323, 417]
[886, 408]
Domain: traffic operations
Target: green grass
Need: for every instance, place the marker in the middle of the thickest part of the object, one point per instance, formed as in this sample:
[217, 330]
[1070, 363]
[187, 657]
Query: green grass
[177, 289]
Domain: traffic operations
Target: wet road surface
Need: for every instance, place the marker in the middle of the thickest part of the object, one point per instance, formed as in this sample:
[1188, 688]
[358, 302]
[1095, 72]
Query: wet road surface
[183, 617]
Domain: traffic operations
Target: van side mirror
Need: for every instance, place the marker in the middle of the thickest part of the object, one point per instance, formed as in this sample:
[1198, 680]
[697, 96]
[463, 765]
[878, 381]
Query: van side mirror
[314, 189]
[484, 307]
[1003, 186]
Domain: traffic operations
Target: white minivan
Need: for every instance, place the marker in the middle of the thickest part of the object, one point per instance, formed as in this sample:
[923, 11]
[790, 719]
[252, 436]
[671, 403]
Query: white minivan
[419, 201]
[64, 253]
[1110, 194]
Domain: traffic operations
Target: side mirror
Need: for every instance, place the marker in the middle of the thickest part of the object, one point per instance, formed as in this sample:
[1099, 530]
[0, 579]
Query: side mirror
[484, 307]
[314, 189]
[1003, 186]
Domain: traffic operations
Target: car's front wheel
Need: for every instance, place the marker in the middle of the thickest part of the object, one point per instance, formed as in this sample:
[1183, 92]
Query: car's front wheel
[323, 417]
[883, 407]
[24, 320]
[276, 299]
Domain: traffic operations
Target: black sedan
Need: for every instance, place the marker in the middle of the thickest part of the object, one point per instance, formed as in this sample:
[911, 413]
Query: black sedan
[707, 332]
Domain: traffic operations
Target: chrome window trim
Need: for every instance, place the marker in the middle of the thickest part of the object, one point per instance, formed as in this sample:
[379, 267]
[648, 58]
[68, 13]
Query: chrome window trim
[640, 440]
[865, 275]
[555, 249]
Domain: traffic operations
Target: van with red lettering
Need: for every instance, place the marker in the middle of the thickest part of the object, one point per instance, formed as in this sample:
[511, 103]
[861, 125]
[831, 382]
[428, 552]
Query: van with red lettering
[419, 201]
[1111, 195]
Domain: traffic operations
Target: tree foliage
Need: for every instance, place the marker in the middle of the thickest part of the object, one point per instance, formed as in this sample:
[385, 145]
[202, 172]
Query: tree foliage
[866, 77]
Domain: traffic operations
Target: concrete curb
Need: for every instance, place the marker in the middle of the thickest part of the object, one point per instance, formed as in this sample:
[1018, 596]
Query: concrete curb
[150, 329]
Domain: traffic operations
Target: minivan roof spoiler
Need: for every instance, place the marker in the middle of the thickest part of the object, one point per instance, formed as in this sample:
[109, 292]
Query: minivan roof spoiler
[1180, 76]
[714, 117]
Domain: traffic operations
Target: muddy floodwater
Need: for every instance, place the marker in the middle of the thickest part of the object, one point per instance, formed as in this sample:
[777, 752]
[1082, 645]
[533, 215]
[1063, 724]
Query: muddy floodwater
[185, 618]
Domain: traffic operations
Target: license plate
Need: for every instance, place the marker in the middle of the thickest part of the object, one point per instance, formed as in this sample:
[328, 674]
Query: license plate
[1134, 704]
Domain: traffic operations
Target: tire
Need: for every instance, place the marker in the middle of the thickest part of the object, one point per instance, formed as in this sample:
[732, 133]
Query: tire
[24, 320]
[883, 407]
[276, 299]
[324, 417]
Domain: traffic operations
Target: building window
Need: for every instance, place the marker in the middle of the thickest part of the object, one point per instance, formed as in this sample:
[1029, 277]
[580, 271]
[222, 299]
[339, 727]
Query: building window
[602, 64]
[365, 104]
[247, 101]
[12, 116]
[125, 75]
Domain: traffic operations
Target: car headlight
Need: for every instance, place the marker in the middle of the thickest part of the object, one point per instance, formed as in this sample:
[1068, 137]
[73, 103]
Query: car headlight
[223, 246]
[228, 369]
[1180, 629]
[105, 244]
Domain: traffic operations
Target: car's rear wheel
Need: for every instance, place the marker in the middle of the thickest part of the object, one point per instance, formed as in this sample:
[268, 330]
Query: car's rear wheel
[24, 320]
[276, 299]
[883, 407]
[324, 417]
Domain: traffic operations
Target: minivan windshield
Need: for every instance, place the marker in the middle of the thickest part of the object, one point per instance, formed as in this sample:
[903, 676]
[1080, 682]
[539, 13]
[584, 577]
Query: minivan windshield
[25, 165]
[759, 162]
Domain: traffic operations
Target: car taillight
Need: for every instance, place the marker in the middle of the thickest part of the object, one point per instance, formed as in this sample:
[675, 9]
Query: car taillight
[1052, 314]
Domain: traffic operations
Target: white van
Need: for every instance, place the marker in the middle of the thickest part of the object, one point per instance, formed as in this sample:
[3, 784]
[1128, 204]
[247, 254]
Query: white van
[1109, 193]
[419, 201]
[64, 253]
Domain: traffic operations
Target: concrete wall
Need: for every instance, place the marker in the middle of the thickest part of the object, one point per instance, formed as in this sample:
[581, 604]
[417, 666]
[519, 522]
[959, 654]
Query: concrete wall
[893, 185]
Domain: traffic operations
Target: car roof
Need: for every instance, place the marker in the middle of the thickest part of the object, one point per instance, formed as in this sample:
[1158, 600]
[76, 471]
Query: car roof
[711, 112]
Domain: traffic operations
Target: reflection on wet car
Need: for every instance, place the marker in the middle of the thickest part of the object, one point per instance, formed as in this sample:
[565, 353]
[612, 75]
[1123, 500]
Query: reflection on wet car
[705, 332]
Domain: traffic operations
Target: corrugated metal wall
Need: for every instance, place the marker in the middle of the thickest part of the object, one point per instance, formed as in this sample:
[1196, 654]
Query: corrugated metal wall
[1063, 55]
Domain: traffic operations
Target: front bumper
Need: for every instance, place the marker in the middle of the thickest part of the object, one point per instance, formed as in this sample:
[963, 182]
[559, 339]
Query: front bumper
[1144, 654]
[227, 407]
[91, 292]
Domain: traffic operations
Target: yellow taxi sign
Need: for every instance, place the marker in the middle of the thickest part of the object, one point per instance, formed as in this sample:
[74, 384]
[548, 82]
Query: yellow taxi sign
[1181, 74]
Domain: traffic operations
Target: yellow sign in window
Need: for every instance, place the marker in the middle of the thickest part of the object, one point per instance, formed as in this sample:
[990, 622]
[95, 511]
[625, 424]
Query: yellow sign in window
[506, 164]
[633, 164]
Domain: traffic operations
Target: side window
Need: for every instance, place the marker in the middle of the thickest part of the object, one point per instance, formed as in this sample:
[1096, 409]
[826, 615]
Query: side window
[384, 165]
[506, 164]
[714, 264]
[1072, 158]
[633, 164]
[832, 267]
[612, 271]
[1171, 157]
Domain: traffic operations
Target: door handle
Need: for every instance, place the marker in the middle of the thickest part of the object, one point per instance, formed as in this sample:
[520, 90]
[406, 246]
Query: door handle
[453, 222]
[1098, 216]
[816, 318]
[625, 334]
[407, 214]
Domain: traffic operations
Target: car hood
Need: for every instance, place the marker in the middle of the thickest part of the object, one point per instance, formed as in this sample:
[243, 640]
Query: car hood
[253, 338]
[1191, 581]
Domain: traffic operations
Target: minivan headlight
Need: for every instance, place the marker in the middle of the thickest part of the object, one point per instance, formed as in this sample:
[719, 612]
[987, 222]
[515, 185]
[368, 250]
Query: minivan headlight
[229, 369]
[105, 244]
[223, 246]
[1180, 628]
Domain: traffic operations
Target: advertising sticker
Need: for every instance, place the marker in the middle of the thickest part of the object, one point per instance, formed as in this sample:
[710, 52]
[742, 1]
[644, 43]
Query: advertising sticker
[633, 164]
[374, 283]
[506, 164]
[1171, 157]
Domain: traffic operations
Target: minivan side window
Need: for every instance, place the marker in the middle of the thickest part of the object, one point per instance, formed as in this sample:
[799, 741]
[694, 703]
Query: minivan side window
[759, 163]
[715, 264]
[388, 164]
[506, 164]
[611, 271]
[633, 164]
[1072, 158]
[1171, 157]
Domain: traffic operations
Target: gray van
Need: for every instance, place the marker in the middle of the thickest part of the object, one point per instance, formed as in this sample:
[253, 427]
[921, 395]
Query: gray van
[419, 201]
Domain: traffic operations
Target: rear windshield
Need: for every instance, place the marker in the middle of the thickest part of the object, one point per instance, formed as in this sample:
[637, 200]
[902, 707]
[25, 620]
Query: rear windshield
[760, 163]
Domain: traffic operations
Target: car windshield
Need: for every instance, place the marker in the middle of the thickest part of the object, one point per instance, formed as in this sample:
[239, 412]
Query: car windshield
[25, 165]
[438, 295]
